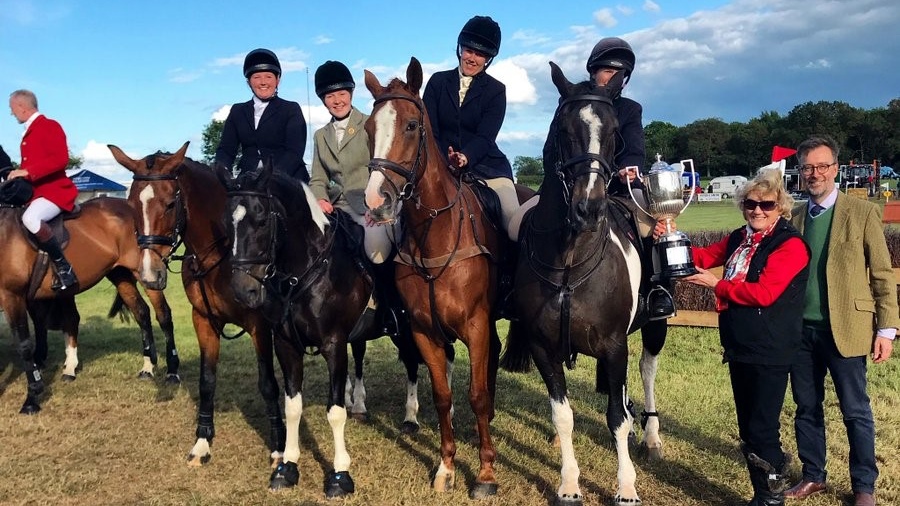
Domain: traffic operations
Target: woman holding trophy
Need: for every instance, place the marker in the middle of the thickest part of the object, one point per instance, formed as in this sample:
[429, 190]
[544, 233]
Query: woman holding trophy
[766, 265]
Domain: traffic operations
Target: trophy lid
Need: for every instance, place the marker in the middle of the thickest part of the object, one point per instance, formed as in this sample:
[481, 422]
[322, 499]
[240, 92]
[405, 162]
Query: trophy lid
[661, 166]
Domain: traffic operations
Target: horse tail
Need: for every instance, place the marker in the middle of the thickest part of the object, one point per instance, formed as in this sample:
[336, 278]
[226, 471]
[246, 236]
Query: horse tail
[117, 310]
[516, 357]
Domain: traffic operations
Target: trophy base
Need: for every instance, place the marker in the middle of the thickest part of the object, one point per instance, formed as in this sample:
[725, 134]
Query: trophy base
[674, 258]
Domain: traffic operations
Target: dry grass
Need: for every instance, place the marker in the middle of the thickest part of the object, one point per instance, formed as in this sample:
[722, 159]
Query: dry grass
[109, 438]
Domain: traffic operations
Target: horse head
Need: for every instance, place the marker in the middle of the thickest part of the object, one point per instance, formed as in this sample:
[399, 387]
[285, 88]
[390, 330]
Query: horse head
[397, 130]
[582, 148]
[155, 197]
[253, 221]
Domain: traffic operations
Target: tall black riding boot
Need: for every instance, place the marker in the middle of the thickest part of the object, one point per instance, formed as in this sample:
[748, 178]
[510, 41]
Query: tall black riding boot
[388, 298]
[768, 483]
[65, 275]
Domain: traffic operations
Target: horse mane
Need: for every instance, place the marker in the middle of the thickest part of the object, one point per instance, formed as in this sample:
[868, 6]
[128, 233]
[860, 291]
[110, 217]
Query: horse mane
[294, 195]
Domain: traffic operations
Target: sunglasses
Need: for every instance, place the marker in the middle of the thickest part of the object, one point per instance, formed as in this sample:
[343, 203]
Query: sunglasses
[765, 205]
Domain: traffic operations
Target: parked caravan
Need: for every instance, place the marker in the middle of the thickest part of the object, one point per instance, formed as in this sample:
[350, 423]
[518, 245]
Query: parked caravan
[726, 185]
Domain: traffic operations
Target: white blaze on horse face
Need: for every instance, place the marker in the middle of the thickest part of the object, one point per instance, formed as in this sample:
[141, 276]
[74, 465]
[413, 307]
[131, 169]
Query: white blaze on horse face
[594, 124]
[239, 213]
[145, 197]
[385, 122]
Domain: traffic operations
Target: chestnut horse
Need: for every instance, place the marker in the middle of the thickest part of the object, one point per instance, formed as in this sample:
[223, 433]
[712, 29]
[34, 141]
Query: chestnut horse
[576, 288]
[101, 245]
[447, 269]
[180, 201]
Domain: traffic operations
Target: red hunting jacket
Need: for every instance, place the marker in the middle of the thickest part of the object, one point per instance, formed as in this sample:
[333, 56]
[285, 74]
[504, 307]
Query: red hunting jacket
[45, 155]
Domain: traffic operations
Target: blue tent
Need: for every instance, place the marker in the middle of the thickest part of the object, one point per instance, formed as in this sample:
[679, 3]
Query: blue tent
[87, 181]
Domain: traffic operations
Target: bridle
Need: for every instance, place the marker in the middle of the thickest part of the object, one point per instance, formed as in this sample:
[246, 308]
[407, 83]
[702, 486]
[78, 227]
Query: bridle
[274, 223]
[410, 175]
[176, 237]
[563, 168]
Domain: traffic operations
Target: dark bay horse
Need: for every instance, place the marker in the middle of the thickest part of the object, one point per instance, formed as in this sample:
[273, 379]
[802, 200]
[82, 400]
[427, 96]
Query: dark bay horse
[180, 201]
[447, 271]
[576, 288]
[101, 245]
[309, 270]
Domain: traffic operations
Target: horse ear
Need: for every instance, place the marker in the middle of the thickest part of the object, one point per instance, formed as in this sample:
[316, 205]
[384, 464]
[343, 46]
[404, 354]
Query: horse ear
[123, 159]
[414, 76]
[180, 154]
[372, 84]
[264, 173]
[559, 79]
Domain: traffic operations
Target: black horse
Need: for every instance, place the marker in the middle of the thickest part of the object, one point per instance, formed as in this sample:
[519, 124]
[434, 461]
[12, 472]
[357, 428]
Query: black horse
[308, 272]
[577, 282]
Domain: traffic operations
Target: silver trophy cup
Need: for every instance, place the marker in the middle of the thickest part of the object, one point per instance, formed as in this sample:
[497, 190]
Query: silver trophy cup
[663, 189]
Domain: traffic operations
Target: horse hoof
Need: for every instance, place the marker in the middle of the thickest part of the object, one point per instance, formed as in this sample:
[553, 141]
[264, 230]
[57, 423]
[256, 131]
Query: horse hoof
[68, 378]
[360, 417]
[408, 428]
[195, 461]
[173, 379]
[655, 454]
[444, 482]
[483, 491]
[569, 500]
[286, 475]
[145, 375]
[338, 484]
[625, 501]
[30, 407]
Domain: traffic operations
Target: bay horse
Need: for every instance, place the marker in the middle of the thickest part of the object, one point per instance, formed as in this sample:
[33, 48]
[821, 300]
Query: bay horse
[447, 268]
[309, 270]
[101, 245]
[577, 282]
[180, 201]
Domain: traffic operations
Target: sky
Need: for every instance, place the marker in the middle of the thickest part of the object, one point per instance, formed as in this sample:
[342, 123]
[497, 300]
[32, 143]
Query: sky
[150, 76]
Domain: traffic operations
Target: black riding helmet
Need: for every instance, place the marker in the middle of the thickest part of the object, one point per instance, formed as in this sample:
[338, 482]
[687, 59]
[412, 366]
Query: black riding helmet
[261, 60]
[612, 52]
[332, 76]
[480, 33]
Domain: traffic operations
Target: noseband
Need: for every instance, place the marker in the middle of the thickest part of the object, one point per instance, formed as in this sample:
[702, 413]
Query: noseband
[382, 164]
[174, 240]
[266, 257]
[563, 167]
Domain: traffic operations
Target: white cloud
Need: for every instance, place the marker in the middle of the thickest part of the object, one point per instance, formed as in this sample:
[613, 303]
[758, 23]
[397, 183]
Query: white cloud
[181, 75]
[529, 38]
[625, 10]
[221, 113]
[322, 39]
[519, 88]
[650, 6]
[519, 136]
[604, 17]
[99, 160]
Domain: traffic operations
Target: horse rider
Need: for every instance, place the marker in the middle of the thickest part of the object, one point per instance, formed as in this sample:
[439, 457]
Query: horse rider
[266, 126]
[5, 162]
[45, 156]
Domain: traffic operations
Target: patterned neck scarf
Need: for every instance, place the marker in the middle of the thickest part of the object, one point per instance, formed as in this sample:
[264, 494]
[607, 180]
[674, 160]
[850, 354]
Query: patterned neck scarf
[464, 83]
[739, 263]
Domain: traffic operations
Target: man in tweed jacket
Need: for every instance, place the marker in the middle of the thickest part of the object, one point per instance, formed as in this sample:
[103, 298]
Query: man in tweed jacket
[851, 311]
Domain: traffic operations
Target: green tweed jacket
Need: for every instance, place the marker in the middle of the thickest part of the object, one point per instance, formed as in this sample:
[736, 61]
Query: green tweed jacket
[340, 173]
[862, 288]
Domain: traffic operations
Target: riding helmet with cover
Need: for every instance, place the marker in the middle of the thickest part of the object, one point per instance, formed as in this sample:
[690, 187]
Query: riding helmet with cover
[611, 52]
[261, 60]
[482, 34]
[332, 76]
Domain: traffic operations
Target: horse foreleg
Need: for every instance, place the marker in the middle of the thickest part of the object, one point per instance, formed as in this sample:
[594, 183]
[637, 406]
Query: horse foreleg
[484, 358]
[620, 424]
[355, 391]
[436, 360]
[128, 292]
[410, 356]
[208, 342]
[68, 324]
[164, 319]
[338, 482]
[17, 317]
[651, 441]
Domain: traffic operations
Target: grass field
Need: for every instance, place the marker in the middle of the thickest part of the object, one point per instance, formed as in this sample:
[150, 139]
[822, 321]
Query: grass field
[109, 438]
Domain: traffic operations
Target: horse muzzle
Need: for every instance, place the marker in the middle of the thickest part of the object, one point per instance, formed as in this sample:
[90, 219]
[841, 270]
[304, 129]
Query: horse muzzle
[248, 290]
[585, 215]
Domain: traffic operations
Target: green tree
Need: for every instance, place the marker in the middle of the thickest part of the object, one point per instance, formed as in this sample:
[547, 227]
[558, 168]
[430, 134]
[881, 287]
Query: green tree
[659, 137]
[75, 162]
[529, 170]
[211, 136]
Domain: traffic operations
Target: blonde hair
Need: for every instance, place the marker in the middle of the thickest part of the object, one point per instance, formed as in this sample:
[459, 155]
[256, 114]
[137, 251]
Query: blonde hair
[767, 182]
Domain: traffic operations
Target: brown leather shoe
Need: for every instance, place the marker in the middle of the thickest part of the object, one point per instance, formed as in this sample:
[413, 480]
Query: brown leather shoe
[804, 489]
[864, 499]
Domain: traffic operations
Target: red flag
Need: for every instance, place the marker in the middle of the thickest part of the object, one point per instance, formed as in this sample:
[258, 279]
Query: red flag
[779, 153]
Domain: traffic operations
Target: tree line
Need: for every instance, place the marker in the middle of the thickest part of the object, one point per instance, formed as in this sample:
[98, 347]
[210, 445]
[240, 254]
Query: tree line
[719, 148]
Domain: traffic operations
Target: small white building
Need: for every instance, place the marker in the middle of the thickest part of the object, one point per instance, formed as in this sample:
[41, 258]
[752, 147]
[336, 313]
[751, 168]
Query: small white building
[92, 185]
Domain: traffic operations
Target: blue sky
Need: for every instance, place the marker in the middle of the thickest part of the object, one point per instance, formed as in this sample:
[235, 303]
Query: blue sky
[151, 75]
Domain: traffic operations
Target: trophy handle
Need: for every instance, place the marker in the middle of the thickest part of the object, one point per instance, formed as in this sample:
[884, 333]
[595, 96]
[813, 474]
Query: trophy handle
[693, 186]
[637, 172]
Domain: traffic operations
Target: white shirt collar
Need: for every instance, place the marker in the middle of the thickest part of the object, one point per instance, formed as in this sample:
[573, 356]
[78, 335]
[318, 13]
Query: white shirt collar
[30, 120]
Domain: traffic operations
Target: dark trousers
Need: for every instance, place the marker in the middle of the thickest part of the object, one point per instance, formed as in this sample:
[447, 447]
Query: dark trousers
[758, 398]
[817, 356]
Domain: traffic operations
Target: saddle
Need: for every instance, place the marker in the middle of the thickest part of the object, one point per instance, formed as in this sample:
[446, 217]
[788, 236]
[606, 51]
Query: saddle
[490, 202]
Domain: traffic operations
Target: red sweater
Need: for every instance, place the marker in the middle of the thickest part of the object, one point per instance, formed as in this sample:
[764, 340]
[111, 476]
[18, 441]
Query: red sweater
[784, 263]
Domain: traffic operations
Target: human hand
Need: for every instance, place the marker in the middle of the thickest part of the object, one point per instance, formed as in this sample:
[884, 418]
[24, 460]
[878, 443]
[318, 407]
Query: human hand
[882, 351]
[629, 174]
[660, 229]
[17, 173]
[703, 278]
[457, 158]
[326, 206]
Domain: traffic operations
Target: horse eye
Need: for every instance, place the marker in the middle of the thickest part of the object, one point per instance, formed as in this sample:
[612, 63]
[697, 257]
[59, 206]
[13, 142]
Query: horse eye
[412, 125]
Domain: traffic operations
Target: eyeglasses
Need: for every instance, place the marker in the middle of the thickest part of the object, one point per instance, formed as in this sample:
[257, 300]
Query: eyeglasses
[820, 168]
[765, 205]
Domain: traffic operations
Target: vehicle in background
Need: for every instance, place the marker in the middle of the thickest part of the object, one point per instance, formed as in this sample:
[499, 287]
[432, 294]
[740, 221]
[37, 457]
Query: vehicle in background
[726, 185]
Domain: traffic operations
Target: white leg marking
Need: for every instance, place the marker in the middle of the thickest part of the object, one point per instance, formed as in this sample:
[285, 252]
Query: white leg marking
[148, 366]
[564, 423]
[359, 397]
[626, 474]
[71, 361]
[293, 409]
[337, 418]
[648, 366]
[412, 402]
